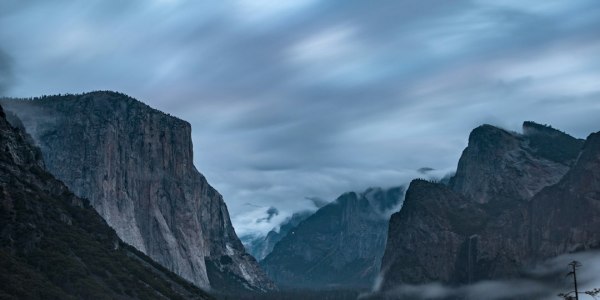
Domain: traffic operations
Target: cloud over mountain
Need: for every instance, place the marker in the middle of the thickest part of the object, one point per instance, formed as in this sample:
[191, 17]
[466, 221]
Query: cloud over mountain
[307, 98]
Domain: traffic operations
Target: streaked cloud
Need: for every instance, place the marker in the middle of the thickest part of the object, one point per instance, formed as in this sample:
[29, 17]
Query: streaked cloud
[291, 100]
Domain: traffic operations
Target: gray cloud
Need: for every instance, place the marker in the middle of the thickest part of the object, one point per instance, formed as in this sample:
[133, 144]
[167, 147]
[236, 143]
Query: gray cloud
[425, 170]
[318, 202]
[271, 212]
[289, 99]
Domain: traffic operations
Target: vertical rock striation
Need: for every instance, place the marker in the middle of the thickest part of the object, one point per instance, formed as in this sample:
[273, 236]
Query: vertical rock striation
[135, 165]
[53, 245]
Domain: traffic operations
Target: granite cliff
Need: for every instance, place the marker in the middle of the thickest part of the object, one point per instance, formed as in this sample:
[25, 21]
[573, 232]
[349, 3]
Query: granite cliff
[499, 165]
[500, 213]
[135, 165]
[54, 245]
[339, 246]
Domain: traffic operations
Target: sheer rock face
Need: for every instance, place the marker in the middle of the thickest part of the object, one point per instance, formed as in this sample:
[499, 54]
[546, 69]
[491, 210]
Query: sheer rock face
[338, 246]
[53, 245]
[488, 223]
[426, 235]
[135, 165]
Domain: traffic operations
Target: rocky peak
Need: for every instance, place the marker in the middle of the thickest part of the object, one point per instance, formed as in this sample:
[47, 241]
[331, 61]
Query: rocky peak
[498, 165]
[491, 138]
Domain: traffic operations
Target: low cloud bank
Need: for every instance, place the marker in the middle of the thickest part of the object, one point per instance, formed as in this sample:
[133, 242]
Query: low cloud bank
[544, 281]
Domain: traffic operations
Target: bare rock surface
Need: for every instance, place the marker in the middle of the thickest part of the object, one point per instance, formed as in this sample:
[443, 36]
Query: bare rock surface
[54, 245]
[135, 165]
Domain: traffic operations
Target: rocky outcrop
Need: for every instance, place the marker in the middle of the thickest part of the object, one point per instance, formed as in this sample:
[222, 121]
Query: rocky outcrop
[135, 165]
[53, 244]
[339, 246]
[490, 220]
[499, 165]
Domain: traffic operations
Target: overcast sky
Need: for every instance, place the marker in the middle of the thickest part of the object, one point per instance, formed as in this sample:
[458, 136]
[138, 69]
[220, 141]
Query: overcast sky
[292, 99]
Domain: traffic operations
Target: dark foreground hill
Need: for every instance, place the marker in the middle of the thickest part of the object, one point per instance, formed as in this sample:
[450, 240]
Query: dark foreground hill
[53, 244]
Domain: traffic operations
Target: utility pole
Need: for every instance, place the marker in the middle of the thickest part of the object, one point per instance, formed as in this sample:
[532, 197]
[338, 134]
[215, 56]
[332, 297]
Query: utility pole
[574, 265]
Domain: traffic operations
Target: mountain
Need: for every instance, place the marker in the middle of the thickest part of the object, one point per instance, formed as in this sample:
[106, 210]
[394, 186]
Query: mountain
[261, 246]
[53, 244]
[487, 223]
[426, 236]
[565, 217]
[339, 246]
[135, 165]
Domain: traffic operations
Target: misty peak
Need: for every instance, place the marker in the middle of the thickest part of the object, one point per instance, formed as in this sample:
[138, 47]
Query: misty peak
[487, 135]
